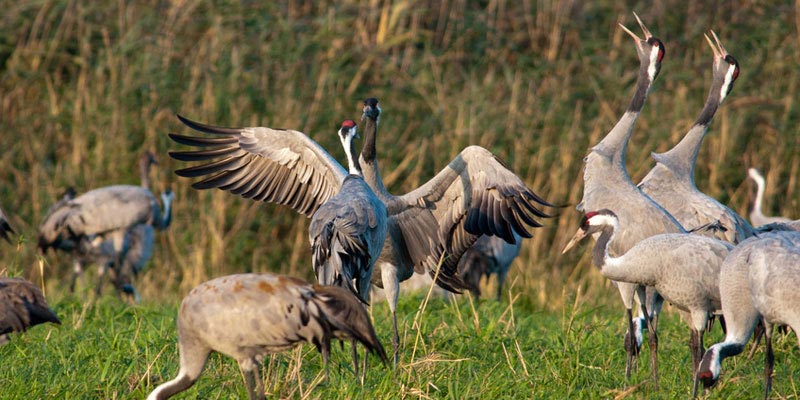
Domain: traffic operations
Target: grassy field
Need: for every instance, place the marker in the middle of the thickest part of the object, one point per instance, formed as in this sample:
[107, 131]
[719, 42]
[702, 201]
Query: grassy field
[465, 349]
[85, 88]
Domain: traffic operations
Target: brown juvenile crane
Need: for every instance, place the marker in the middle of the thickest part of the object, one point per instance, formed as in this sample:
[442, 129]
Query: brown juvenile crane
[249, 316]
[22, 305]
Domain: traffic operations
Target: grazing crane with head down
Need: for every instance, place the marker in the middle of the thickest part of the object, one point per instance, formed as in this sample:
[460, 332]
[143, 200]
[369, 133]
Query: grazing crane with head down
[5, 228]
[757, 217]
[606, 184]
[671, 181]
[758, 278]
[489, 255]
[249, 316]
[22, 305]
[96, 225]
[474, 195]
[682, 267]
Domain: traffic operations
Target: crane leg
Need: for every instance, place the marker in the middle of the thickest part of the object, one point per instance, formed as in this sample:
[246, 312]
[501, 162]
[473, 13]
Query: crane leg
[391, 287]
[77, 271]
[631, 346]
[652, 335]
[355, 356]
[770, 359]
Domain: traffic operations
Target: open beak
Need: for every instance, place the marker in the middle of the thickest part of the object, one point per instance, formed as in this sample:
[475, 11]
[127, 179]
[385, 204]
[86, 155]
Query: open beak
[647, 34]
[579, 235]
[719, 51]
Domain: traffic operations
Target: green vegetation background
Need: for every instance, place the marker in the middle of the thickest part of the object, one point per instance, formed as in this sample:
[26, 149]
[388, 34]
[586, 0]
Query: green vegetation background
[85, 87]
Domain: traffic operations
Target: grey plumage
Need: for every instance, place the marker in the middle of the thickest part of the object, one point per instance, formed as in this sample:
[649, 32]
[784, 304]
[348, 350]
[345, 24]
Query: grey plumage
[347, 232]
[5, 228]
[249, 316]
[683, 267]
[439, 220]
[606, 184]
[671, 181]
[489, 255]
[22, 305]
[759, 275]
[95, 225]
[757, 216]
[436, 223]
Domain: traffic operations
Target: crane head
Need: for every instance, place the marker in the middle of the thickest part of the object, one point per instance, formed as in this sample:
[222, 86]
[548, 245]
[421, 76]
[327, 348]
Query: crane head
[726, 68]
[650, 49]
[348, 130]
[371, 110]
[591, 223]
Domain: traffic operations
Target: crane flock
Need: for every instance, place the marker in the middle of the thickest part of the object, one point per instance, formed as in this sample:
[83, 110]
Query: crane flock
[468, 221]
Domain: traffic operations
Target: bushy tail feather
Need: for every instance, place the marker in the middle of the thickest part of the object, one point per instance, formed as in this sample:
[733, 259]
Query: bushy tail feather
[345, 314]
[339, 258]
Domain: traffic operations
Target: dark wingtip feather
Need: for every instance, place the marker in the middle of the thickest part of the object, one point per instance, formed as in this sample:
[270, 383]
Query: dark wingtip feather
[5, 229]
[208, 128]
[202, 141]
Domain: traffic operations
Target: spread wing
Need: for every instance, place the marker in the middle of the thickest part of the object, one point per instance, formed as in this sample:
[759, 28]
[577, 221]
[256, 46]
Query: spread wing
[474, 195]
[271, 165]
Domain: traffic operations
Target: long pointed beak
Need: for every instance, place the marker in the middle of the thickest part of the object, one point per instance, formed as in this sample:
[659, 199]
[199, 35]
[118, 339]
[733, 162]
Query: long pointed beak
[719, 44]
[719, 51]
[633, 35]
[579, 235]
[647, 34]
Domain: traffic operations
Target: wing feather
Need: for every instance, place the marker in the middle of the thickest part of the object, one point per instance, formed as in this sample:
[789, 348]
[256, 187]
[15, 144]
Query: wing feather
[265, 164]
[474, 195]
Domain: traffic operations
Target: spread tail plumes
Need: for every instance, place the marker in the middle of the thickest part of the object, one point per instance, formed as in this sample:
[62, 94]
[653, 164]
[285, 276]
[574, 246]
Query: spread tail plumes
[348, 317]
[339, 259]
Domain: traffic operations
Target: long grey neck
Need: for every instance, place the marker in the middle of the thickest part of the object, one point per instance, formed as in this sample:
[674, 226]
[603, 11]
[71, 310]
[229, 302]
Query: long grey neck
[144, 172]
[165, 219]
[759, 196]
[369, 159]
[682, 158]
[616, 142]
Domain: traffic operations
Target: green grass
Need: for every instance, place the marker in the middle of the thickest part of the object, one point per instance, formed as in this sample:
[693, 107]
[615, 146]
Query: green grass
[465, 349]
[85, 87]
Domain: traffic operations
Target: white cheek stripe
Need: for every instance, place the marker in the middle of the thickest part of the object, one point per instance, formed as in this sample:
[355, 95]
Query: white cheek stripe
[651, 69]
[727, 83]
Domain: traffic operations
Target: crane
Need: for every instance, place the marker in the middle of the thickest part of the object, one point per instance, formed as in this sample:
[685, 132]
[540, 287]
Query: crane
[739, 296]
[22, 305]
[671, 181]
[683, 268]
[437, 222]
[489, 255]
[347, 232]
[475, 194]
[249, 316]
[606, 184]
[757, 217]
[95, 225]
